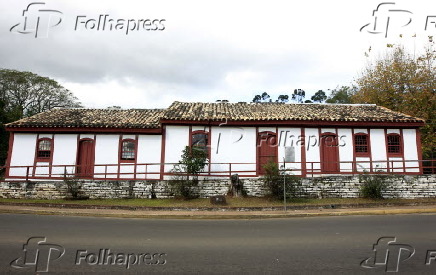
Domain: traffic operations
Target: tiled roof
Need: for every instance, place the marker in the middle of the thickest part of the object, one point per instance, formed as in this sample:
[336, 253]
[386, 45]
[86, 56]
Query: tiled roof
[99, 118]
[280, 111]
[150, 118]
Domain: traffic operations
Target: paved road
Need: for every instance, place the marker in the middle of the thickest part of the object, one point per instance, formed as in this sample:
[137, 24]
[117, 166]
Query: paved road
[284, 246]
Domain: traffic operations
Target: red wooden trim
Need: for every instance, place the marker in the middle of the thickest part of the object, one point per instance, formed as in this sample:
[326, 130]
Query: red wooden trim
[386, 148]
[338, 151]
[303, 152]
[321, 136]
[369, 149]
[120, 139]
[86, 130]
[52, 154]
[401, 153]
[402, 149]
[36, 155]
[190, 136]
[354, 164]
[257, 151]
[120, 149]
[162, 152]
[209, 147]
[42, 159]
[9, 157]
[92, 153]
[297, 123]
[136, 155]
[360, 154]
[419, 148]
[258, 146]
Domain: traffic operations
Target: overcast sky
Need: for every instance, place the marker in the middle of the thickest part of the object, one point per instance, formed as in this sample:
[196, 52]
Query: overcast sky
[207, 50]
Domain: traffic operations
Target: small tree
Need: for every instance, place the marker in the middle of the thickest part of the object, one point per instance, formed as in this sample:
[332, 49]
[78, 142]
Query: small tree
[274, 180]
[372, 186]
[186, 171]
[319, 96]
[298, 95]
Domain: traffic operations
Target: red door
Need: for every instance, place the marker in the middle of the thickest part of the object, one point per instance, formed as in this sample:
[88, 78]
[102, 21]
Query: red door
[329, 153]
[85, 159]
[267, 150]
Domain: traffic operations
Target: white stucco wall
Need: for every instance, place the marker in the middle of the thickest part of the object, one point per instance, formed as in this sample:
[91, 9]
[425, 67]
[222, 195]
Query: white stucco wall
[290, 138]
[176, 139]
[312, 148]
[149, 151]
[106, 152]
[234, 145]
[378, 149]
[23, 153]
[410, 150]
[64, 153]
[346, 149]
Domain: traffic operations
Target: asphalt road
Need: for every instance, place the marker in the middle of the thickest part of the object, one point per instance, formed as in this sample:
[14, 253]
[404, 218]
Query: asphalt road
[327, 245]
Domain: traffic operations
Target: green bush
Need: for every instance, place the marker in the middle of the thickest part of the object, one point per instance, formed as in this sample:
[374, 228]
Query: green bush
[185, 173]
[372, 186]
[74, 188]
[274, 180]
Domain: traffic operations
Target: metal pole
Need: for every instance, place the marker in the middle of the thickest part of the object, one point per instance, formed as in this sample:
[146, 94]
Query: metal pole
[284, 183]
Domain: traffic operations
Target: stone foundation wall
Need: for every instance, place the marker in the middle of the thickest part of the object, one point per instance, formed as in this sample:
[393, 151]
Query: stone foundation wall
[422, 186]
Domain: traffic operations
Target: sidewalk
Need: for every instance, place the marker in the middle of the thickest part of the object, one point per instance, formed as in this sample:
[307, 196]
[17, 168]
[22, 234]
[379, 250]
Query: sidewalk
[218, 214]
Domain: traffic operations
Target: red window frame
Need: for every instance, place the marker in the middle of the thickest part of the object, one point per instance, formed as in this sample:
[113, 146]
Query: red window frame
[125, 154]
[362, 146]
[394, 144]
[205, 146]
[46, 153]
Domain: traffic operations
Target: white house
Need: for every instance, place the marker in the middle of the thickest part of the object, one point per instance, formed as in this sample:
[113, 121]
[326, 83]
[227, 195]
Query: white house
[309, 139]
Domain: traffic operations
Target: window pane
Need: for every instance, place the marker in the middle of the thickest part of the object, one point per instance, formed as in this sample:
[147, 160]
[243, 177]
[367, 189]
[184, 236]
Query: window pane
[394, 144]
[128, 150]
[44, 148]
[361, 144]
[43, 154]
[44, 145]
[199, 140]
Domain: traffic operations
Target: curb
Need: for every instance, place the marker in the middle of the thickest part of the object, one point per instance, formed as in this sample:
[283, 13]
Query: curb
[220, 209]
[215, 216]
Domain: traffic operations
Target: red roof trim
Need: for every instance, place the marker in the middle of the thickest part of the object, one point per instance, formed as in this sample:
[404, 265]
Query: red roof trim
[296, 123]
[85, 130]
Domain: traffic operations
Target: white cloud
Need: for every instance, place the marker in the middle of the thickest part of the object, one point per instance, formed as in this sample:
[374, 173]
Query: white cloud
[209, 50]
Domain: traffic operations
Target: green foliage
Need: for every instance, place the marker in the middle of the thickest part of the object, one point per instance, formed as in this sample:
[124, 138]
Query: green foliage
[372, 186]
[282, 99]
[185, 172]
[298, 95]
[25, 94]
[341, 95]
[319, 96]
[74, 188]
[404, 82]
[264, 97]
[274, 180]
